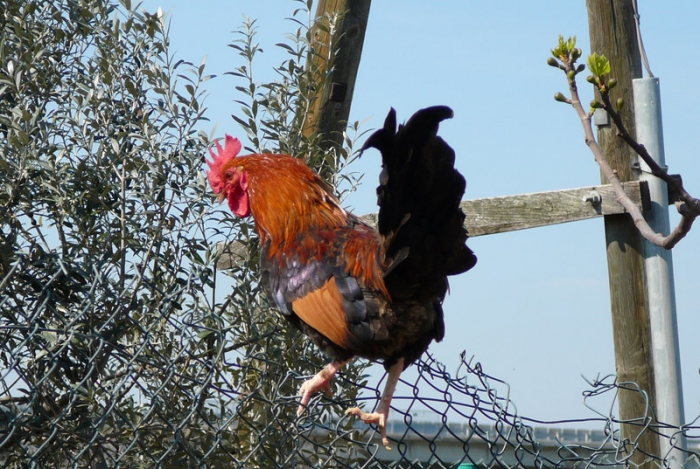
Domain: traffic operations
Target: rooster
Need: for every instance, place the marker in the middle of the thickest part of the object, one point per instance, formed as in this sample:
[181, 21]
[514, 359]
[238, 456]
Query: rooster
[354, 290]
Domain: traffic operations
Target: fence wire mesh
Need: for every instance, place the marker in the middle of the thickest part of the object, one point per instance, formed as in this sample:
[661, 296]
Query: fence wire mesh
[199, 418]
[122, 346]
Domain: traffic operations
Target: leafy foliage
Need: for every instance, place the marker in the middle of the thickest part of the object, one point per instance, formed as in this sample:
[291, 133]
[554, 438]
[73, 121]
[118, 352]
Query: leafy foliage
[118, 342]
[274, 114]
[566, 48]
[599, 65]
[104, 255]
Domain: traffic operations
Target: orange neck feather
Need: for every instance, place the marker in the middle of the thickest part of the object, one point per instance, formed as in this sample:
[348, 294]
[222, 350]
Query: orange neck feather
[286, 197]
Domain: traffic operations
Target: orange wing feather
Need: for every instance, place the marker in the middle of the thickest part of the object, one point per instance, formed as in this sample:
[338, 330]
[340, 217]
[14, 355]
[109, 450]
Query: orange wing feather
[322, 309]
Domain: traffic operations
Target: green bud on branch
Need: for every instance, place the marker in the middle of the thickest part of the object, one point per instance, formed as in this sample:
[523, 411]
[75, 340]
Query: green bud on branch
[561, 98]
[612, 83]
[595, 104]
[552, 62]
[620, 104]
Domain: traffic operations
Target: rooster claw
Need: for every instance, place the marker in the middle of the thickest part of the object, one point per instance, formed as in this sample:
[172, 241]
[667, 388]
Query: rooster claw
[376, 418]
[309, 388]
[320, 382]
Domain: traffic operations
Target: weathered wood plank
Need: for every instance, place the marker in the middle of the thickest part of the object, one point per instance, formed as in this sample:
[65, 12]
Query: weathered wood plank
[509, 213]
[519, 212]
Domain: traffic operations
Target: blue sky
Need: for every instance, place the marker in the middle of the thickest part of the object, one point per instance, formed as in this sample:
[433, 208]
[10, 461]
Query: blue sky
[535, 311]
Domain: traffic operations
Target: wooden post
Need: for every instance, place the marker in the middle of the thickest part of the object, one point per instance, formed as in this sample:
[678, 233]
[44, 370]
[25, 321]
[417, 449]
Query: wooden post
[613, 33]
[329, 113]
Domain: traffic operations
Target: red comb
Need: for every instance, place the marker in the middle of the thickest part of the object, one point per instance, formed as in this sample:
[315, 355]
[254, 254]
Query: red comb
[214, 175]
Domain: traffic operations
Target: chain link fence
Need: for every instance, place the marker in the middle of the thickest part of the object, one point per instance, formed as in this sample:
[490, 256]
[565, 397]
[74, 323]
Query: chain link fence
[201, 419]
[121, 343]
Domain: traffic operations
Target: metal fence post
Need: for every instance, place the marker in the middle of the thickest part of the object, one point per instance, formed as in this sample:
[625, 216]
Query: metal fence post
[660, 289]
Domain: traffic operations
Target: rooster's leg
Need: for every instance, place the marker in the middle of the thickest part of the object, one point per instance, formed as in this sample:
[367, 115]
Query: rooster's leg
[380, 416]
[320, 382]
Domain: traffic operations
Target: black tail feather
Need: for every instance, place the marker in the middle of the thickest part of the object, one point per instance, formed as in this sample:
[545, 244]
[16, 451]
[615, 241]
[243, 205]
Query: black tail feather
[419, 196]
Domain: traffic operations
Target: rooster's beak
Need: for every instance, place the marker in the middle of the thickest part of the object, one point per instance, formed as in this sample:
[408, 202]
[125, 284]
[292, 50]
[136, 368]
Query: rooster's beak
[220, 198]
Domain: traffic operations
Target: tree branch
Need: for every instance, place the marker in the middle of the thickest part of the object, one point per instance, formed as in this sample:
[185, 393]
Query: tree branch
[692, 205]
[688, 206]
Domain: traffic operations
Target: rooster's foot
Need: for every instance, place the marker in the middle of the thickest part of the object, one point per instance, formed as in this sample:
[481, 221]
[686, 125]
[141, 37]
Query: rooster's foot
[377, 418]
[320, 382]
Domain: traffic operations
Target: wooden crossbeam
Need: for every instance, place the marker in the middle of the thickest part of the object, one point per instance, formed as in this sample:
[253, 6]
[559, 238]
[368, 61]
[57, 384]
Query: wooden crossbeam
[519, 212]
[511, 213]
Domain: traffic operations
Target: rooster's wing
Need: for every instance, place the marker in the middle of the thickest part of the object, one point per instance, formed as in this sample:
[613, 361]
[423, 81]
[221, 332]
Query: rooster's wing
[309, 281]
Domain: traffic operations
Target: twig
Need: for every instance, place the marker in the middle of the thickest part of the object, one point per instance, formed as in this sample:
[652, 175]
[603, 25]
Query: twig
[675, 184]
[688, 206]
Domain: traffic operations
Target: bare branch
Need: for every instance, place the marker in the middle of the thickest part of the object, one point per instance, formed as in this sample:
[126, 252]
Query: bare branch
[688, 207]
[675, 184]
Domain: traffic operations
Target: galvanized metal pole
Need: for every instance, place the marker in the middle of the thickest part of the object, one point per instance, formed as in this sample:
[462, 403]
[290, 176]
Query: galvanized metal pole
[660, 289]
